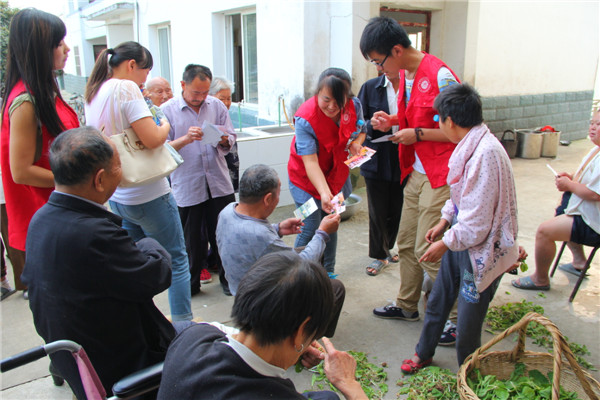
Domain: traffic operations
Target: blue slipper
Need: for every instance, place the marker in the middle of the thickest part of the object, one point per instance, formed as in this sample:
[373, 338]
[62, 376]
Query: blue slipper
[526, 283]
[393, 258]
[377, 266]
[570, 269]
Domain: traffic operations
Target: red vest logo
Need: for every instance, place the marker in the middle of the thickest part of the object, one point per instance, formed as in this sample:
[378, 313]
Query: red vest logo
[424, 85]
[346, 117]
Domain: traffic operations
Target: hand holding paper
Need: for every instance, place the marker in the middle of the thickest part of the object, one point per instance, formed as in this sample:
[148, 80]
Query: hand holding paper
[306, 209]
[384, 138]
[212, 134]
[338, 204]
[356, 161]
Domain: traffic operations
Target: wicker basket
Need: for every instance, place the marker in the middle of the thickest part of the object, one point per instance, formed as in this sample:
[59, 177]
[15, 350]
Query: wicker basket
[501, 363]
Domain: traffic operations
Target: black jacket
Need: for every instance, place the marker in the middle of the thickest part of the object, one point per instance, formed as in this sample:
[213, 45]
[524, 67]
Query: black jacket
[90, 283]
[199, 366]
[384, 165]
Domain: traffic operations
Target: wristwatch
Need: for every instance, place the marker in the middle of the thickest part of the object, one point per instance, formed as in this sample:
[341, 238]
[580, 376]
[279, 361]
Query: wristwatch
[418, 132]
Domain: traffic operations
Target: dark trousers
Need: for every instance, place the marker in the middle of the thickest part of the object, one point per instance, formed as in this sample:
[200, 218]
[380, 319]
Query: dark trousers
[199, 230]
[16, 257]
[455, 280]
[339, 294]
[385, 210]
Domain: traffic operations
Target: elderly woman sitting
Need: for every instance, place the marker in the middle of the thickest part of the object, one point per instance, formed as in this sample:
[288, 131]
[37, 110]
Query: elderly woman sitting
[281, 307]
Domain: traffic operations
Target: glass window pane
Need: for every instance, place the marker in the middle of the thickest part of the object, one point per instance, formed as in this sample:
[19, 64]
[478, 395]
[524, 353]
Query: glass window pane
[250, 59]
[164, 49]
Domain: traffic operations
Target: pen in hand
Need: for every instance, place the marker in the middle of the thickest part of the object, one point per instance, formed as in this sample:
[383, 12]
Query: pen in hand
[552, 169]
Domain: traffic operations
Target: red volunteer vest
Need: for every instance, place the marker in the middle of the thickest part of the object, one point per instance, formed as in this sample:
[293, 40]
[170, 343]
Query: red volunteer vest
[22, 201]
[419, 114]
[332, 142]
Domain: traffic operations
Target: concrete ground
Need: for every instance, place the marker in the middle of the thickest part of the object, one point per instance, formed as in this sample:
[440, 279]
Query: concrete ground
[387, 341]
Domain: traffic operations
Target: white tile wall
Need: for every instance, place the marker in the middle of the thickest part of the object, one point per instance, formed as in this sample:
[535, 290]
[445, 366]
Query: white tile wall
[271, 150]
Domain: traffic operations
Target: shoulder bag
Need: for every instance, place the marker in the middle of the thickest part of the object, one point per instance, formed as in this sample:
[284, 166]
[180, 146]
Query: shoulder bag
[139, 164]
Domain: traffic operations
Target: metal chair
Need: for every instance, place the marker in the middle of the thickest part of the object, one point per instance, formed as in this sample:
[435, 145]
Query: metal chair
[583, 271]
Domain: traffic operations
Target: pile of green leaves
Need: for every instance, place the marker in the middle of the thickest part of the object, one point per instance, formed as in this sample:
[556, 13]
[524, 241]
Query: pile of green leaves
[371, 377]
[503, 317]
[430, 383]
[535, 386]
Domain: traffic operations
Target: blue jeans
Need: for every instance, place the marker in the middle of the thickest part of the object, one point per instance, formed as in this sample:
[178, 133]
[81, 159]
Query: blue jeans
[312, 222]
[159, 219]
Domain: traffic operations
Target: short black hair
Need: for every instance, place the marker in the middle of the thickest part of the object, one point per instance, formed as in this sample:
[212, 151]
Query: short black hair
[462, 103]
[256, 182]
[193, 71]
[77, 154]
[381, 34]
[339, 82]
[278, 293]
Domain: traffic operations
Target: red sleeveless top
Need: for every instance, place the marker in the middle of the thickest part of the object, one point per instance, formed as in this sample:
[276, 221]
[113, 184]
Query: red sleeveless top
[332, 142]
[419, 113]
[22, 201]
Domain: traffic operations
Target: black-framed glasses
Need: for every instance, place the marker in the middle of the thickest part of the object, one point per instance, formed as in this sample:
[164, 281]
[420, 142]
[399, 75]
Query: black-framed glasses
[381, 63]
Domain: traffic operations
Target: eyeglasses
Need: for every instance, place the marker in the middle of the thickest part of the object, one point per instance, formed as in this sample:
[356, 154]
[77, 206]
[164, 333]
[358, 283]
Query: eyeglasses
[381, 63]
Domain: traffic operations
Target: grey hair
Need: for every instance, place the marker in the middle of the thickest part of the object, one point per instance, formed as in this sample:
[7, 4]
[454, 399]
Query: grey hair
[256, 182]
[219, 83]
[77, 154]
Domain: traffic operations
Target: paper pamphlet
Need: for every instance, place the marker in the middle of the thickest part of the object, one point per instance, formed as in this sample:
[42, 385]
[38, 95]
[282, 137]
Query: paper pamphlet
[384, 138]
[338, 204]
[361, 158]
[212, 134]
[306, 209]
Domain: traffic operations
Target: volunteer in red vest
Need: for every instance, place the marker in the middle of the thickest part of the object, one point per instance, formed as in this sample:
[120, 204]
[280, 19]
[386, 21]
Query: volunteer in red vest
[33, 115]
[327, 131]
[423, 149]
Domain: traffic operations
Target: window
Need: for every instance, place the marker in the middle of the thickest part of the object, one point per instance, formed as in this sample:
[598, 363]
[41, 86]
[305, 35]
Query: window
[77, 60]
[97, 49]
[417, 24]
[242, 62]
[250, 63]
[164, 51]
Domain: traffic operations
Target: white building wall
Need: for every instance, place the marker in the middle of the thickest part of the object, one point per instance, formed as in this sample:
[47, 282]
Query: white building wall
[531, 47]
[281, 67]
[502, 47]
[116, 34]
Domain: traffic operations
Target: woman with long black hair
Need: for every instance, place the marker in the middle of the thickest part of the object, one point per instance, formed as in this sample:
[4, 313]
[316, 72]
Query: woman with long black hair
[33, 115]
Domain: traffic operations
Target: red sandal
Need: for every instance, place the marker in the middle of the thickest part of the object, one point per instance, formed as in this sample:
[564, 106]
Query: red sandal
[410, 367]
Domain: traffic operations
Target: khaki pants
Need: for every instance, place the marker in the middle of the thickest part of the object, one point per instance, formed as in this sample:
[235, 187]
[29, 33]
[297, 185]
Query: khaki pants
[420, 212]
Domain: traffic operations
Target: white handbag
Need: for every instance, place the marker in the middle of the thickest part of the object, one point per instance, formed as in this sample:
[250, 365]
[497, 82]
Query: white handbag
[140, 165]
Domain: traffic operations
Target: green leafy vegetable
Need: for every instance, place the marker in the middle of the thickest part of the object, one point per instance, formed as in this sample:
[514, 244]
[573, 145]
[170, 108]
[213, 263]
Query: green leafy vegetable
[430, 383]
[523, 266]
[371, 377]
[503, 317]
[521, 385]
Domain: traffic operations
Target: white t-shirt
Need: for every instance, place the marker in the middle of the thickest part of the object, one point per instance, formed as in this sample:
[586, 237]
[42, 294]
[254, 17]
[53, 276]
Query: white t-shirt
[392, 98]
[589, 210]
[103, 114]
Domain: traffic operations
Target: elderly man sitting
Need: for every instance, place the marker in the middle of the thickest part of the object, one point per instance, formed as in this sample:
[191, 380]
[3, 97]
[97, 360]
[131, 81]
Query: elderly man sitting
[88, 281]
[244, 234]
